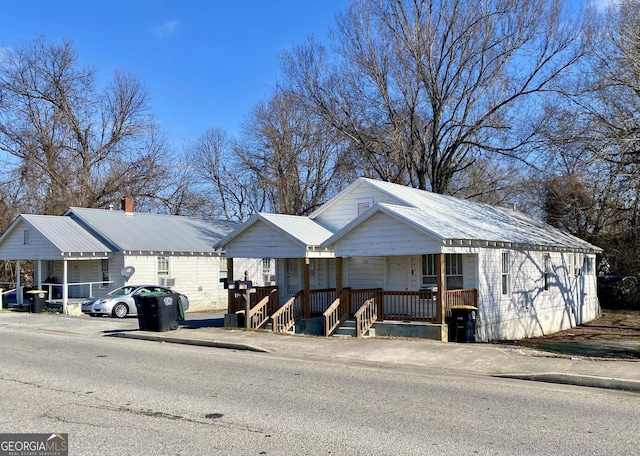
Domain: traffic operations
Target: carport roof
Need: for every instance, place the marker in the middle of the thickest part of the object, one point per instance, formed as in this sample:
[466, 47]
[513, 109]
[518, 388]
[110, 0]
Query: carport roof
[64, 233]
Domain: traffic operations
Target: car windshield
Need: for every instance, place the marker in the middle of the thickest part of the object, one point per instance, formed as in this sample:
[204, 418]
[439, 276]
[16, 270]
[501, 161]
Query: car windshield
[120, 291]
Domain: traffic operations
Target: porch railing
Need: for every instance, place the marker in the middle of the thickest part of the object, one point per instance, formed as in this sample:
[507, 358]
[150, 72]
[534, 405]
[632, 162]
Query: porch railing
[365, 316]
[336, 313]
[321, 300]
[260, 293]
[466, 297]
[259, 314]
[407, 305]
[286, 316]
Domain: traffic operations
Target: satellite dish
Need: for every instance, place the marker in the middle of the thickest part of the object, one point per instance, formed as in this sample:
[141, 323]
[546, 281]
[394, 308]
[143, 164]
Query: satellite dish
[127, 272]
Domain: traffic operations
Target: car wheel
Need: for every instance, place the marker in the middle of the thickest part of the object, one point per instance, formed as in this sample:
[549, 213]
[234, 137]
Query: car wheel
[120, 310]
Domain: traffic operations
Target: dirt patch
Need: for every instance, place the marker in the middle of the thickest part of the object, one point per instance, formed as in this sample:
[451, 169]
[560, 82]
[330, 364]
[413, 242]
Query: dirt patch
[616, 334]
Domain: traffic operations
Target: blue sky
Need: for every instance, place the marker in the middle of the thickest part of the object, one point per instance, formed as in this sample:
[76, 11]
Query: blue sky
[204, 63]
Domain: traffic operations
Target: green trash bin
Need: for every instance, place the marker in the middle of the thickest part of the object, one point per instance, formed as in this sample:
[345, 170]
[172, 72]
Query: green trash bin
[37, 300]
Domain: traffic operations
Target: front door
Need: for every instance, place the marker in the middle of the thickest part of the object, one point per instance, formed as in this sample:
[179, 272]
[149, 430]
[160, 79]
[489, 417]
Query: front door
[398, 273]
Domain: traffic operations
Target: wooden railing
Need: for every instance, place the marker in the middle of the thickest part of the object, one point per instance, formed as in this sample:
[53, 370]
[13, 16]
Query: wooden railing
[321, 300]
[259, 314]
[466, 297]
[408, 306]
[336, 313]
[260, 293]
[365, 316]
[358, 297]
[286, 316]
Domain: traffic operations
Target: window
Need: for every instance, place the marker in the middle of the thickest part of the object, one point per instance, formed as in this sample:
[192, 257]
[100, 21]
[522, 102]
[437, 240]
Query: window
[163, 265]
[429, 271]
[267, 271]
[587, 265]
[547, 270]
[224, 271]
[27, 237]
[104, 272]
[505, 273]
[453, 271]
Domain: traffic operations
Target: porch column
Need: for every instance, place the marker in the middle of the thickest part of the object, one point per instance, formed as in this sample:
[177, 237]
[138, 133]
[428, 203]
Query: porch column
[65, 287]
[39, 274]
[440, 293]
[230, 293]
[18, 284]
[338, 277]
[306, 295]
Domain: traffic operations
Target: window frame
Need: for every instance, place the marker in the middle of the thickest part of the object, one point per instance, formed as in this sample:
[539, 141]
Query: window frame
[505, 273]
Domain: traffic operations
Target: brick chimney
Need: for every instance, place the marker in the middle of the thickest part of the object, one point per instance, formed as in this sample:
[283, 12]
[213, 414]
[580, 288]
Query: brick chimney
[126, 204]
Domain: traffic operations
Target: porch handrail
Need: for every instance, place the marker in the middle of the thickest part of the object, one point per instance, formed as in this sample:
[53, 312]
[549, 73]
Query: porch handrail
[259, 314]
[365, 316]
[465, 297]
[286, 316]
[336, 313]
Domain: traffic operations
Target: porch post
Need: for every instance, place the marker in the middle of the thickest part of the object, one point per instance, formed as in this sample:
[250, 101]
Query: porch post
[65, 287]
[306, 295]
[338, 277]
[440, 293]
[230, 293]
[18, 284]
[39, 273]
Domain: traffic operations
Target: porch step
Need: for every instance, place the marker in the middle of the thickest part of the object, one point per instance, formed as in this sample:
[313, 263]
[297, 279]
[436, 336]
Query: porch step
[348, 329]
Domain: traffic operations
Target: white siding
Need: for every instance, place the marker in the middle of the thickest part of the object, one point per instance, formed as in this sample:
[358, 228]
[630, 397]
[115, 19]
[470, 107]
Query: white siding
[381, 234]
[262, 241]
[366, 272]
[529, 310]
[344, 210]
[39, 248]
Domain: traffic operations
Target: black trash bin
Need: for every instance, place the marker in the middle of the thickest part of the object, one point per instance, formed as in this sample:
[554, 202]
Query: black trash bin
[462, 324]
[144, 313]
[158, 312]
[37, 300]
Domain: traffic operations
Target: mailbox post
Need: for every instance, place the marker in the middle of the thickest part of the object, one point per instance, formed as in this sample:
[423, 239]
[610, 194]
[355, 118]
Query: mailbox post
[244, 288]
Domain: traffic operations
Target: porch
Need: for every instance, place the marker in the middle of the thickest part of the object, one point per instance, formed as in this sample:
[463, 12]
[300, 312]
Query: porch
[325, 310]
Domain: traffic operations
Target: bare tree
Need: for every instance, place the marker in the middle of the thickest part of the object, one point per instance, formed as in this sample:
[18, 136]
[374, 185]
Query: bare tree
[217, 165]
[297, 160]
[73, 143]
[423, 87]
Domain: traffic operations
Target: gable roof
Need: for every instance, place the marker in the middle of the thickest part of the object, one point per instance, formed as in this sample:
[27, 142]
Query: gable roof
[449, 218]
[299, 229]
[495, 224]
[138, 231]
[64, 233]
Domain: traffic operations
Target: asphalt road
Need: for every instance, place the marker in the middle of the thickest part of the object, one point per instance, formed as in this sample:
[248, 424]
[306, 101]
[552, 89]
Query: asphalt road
[118, 397]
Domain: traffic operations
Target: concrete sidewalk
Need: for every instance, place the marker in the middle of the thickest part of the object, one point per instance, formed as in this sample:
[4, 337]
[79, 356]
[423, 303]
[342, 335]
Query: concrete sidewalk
[485, 359]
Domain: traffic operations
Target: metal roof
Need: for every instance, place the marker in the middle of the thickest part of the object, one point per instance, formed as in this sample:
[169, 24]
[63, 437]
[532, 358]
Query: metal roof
[449, 218]
[299, 229]
[65, 233]
[138, 231]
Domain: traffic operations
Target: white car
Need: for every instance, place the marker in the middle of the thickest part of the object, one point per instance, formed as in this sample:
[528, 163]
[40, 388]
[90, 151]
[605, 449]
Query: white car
[121, 302]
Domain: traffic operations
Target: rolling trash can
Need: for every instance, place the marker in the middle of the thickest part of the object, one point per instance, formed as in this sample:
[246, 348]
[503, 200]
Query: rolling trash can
[37, 300]
[462, 324]
[144, 313]
[158, 312]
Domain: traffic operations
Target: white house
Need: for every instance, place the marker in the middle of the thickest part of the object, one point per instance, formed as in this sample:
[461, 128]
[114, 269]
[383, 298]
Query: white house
[426, 252]
[87, 252]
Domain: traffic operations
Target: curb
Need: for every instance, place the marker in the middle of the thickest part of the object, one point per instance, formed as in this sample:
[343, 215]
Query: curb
[200, 343]
[578, 380]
